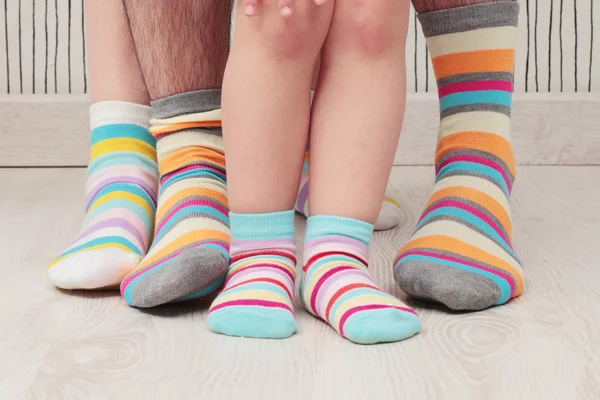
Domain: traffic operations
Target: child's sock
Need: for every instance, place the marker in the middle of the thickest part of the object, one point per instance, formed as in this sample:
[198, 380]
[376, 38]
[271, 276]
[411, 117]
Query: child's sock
[337, 287]
[190, 252]
[257, 298]
[121, 196]
[389, 216]
[461, 252]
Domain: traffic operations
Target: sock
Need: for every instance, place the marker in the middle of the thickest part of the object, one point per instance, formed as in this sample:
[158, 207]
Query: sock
[257, 299]
[461, 251]
[337, 287]
[190, 252]
[120, 201]
[389, 216]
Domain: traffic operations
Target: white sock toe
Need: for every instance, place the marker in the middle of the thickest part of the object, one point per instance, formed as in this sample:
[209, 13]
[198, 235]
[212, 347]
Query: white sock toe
[389, 216]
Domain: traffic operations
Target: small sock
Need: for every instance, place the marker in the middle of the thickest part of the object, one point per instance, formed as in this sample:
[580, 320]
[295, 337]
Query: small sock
[257, 299]
[190, 252]
[120, 202]
[461, 251]
[336, 285]
[389, 215]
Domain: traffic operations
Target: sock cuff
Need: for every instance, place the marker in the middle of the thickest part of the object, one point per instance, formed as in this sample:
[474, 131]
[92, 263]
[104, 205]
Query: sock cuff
[262, 226]
[467, 18]
[328, 225]
[197, 101]
[119, 112]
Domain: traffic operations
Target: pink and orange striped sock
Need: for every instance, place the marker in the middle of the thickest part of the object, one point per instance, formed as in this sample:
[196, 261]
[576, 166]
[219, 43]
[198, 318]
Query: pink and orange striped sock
[259, 288]
[190, 252]
[461, 252]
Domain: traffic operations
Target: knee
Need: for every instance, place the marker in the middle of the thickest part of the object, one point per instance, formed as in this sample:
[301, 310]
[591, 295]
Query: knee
[374, 28]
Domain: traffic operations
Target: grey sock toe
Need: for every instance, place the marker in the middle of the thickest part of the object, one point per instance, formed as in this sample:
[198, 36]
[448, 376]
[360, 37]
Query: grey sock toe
[456, 289]
[194, 270]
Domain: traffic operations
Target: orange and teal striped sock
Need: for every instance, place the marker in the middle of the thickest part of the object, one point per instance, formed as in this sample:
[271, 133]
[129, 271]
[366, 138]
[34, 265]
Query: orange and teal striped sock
[190, 252]
[259, 288]
[336, 285]
[461, 252]
[121, 195]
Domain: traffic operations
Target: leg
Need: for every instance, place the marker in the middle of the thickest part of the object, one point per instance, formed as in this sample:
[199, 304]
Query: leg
[182, 47]
[356, 122]
[389, 215]
[265, 138]
[122, 176]
[461, 252]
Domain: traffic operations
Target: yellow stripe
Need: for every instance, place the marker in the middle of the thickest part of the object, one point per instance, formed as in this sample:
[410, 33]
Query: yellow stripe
[251, 294]
[122, 195]
[98, 247]
[496, 38]
[123, 144]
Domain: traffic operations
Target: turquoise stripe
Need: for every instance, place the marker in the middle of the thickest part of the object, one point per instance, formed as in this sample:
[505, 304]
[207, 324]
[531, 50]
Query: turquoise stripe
[127, 188]
[122, 158]
[275, 225]
[499, 97]
[122, 131]
[334, 259]
[355, 293]
[104, 240]
[500, 282]
[204, 210]
[329, 225]
[129, 289]
[123, 204]
[462, 166]
[198, 173]
[471, 219]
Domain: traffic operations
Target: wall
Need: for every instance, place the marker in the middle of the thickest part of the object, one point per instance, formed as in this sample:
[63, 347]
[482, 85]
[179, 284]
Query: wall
[42, 48]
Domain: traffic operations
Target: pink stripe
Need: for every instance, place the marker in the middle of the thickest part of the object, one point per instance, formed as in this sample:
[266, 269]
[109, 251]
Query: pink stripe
[478, 160]
[369, 307]
[190, 168]
[243, 246]
[262, 265]
[252, 302]
[504, 275]
[321, 281]
[193, 202]
[142, 271]
[247, 274]
[472, 210]
[342, 276]
[475, 86]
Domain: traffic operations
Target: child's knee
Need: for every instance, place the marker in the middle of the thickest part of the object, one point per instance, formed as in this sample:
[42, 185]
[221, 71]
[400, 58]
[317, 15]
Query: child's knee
[373, 27]
[299, 37]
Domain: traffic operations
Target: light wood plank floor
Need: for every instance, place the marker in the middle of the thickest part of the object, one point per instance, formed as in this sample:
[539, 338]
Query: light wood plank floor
[545, 345]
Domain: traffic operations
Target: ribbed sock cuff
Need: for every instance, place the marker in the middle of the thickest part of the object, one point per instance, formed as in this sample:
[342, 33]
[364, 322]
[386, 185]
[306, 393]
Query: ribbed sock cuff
[198, 101]
[329, 225]
[262, 226]
[119, 112]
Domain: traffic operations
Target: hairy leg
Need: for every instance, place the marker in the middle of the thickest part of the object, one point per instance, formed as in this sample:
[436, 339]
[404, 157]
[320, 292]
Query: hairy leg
[182, 47]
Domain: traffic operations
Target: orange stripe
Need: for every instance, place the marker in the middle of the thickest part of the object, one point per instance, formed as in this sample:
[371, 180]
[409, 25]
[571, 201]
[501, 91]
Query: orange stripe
[182, 241]
[452, 245]
[482, 141]
[489, 203]
[157, 130]
[193, 154]
[474, 61]
[194, 191]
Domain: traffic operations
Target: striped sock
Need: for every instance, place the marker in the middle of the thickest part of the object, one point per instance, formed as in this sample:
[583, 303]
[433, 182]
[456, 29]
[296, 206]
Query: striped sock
[257, 298]
[120, 201]
[337, 287]
[389, 215]
[190, 252]
[461, 251]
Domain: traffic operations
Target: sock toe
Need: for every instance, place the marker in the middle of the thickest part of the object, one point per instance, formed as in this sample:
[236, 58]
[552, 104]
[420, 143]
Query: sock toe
[97, 269]
[263, 323]
[456, 289]
[196, 272]
[389, 216]
[381, 326]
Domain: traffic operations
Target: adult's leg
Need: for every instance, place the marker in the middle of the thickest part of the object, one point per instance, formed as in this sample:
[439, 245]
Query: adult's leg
[122, 176]
[265, 137]
[461, 252]
[182, 47]
[356, 122]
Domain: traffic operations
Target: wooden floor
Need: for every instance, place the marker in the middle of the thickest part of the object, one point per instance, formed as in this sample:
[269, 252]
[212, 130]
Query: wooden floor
[544, 345]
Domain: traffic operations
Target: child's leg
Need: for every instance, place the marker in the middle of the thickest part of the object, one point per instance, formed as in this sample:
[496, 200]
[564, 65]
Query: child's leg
[122, 180]
[461, 252]
[266, 105]
[356, 122]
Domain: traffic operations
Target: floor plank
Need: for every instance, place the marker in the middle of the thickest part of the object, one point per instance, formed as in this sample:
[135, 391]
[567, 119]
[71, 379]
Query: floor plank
[544, 345]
